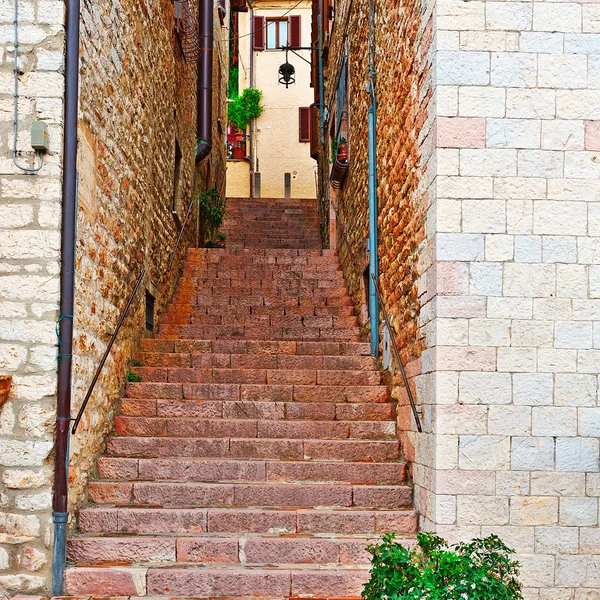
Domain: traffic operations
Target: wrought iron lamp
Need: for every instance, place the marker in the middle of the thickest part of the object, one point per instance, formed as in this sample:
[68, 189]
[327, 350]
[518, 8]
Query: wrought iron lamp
[287, 72]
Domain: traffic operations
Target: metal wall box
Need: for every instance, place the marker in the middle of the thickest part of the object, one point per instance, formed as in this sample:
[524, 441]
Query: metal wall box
[40, 138]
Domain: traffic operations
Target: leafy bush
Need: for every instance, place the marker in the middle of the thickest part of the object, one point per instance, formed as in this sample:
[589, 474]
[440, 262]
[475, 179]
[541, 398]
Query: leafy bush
[479, 570]
[245, 107]
[133, 377]
[232, 84]
[212, 212]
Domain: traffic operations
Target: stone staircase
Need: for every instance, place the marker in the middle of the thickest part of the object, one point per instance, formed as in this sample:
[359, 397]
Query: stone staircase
[258, 454]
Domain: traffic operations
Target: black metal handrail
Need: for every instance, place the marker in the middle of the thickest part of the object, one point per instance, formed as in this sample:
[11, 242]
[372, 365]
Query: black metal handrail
[187, 216]
[397, 355]
[386, 322]
[107, 351]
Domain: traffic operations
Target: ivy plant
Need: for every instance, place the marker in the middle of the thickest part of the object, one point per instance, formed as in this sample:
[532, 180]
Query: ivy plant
[245, 107]
[213, 211]
[479, 570]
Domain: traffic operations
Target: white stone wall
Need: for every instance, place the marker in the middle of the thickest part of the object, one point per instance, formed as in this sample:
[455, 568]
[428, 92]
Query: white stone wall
[29, 291]
[512, 308]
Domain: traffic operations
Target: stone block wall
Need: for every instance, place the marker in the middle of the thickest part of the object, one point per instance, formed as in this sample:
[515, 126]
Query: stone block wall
[30, 211]
[488, 252]
[510, 373]
[137, 98]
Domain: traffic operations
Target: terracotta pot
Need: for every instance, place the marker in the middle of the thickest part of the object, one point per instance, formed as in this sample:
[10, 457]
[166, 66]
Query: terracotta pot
[5, 383]
[239, 152]
[342, 154]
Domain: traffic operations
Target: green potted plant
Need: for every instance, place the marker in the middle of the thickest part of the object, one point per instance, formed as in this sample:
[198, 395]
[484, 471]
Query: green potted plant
[479, 570]
[213, 211]
[245, 107]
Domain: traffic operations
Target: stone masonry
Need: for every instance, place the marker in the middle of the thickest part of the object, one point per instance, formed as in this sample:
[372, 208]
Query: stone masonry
[491, 203]
[137, 98]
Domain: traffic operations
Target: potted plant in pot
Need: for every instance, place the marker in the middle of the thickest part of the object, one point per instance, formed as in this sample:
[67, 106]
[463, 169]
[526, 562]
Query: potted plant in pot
[239, 146]
[339, 158]
[479, 570]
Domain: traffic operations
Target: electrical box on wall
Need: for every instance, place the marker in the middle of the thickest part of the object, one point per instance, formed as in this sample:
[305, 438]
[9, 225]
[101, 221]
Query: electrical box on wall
[387, 355]
[40, 138]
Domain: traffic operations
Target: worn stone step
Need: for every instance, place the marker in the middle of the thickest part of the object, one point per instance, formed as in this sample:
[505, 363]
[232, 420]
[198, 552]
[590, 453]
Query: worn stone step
[258, 392]
[184, 427]
[299, 495]
[349, 521]
[203, 346]
[276, 376]
[256, 550]
[240, 409]
[256, 361]
[225, 582]
[216, 470]
[280, 449]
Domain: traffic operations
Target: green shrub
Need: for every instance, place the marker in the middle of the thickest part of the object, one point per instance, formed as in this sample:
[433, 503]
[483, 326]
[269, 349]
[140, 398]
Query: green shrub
[212, 212]
[479, 570]
[133, 377]
[232, 84]
[245, 107]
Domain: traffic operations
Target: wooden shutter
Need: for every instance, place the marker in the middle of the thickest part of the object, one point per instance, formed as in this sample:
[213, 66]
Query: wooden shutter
[258, 33]
[304, 114]
[314, 131]
[295, 33]
[314, 39]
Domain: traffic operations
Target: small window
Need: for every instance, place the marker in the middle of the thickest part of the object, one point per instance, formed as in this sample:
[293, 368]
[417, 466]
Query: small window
[149, 311]
[277, 33]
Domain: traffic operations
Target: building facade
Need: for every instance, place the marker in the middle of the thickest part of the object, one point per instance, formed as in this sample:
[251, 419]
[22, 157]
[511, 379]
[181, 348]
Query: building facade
[277, 161]
[487, 139]
[137, 181]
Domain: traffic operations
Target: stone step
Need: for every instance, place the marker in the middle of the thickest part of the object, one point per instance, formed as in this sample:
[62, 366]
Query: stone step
[245, 494]
[252, 448]
[354, 394]
[216, 470]
[225, 582]
[205, 298]
[259, 332]
[198, 346]
[240, 409]
[253, 550]
[348, 521]
[317, 321]
[257, 361]
[185, 427]
[268, 376]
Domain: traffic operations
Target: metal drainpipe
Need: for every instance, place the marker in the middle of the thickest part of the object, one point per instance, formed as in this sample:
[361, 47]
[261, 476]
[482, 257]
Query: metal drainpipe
[320, 21]
[251, 85]
[373, 234]
[60, 512]
[205, 80]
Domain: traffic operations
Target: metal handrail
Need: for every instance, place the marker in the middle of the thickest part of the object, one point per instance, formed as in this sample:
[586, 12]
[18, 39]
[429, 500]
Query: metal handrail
[397, 355]
[187, 216]
[386, 321]
[107, 351]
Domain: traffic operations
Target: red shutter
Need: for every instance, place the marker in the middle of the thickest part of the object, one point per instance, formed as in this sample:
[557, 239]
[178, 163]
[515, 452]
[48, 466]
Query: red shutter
[295, 33]
[258, 31]
[304, 124]
[314, 131]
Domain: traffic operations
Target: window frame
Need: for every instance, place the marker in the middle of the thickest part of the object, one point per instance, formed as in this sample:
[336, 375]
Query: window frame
[278, 21]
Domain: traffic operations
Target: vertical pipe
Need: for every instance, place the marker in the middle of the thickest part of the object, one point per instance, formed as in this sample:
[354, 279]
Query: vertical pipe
[251, 85]
[67, 280]
[373, 234]
[205, 80]
[321, 80]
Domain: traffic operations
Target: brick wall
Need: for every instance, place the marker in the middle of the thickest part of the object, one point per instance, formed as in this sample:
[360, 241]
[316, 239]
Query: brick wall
[137, 97]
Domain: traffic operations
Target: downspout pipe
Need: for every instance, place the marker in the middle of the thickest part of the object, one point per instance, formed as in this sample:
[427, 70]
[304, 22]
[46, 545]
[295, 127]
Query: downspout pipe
[60, 512]
[205, 80]
[373, 233]
[251, 85]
